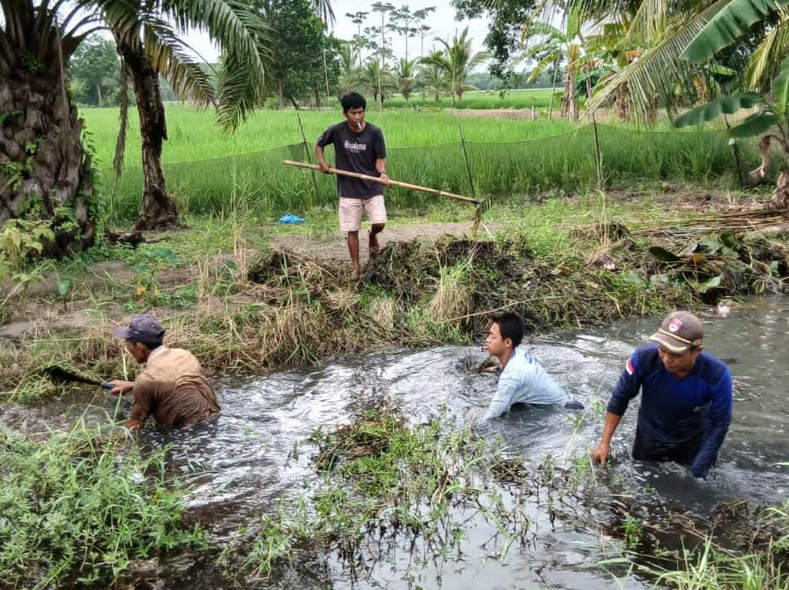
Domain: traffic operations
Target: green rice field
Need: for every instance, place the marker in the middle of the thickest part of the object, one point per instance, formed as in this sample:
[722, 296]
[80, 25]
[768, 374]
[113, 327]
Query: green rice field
[210, 171]
[484, 99]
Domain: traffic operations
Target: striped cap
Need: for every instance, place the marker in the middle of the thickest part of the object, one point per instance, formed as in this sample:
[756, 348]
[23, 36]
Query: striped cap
[680, 331]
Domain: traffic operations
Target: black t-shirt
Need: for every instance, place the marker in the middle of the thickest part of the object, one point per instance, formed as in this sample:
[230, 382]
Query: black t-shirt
[356, 152]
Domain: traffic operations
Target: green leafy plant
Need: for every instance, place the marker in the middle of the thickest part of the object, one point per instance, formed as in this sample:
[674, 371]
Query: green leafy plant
[73, 515]
[633, 531]
[21, 239]
[158, 258]
[64, 285]
[8, 115]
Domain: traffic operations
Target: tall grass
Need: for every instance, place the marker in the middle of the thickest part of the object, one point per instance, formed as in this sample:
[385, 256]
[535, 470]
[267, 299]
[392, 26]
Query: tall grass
[194, 135]
[263, 187]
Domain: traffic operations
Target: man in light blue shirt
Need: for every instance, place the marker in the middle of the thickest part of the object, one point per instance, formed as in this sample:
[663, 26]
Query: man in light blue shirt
[522, 379]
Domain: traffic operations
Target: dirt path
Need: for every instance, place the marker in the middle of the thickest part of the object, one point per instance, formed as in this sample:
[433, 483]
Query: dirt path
[334, 248]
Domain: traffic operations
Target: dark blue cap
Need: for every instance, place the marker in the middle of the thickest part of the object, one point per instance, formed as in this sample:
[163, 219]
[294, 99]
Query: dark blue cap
[143, 328]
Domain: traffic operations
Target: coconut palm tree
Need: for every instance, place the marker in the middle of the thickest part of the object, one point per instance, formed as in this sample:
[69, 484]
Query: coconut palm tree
[457, 60]
[676, 36]
[350, 78]
[433, 77]
[377, 80]
[151, 46]
[405, 77]
[558, 45]
[45, 171]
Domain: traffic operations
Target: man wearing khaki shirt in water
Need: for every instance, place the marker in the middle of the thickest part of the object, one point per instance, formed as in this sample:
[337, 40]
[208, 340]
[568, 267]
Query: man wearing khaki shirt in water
[172, 388]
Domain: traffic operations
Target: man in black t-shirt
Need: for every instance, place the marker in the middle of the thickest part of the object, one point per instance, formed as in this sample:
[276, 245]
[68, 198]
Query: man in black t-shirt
[358, 147]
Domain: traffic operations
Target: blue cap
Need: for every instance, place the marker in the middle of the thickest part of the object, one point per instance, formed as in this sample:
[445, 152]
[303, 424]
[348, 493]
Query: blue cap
[143, 328]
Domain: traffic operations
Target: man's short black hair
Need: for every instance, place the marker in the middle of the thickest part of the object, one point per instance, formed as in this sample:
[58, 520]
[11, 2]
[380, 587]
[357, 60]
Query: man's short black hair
[511, 326]
[352, 100]
[151, 346]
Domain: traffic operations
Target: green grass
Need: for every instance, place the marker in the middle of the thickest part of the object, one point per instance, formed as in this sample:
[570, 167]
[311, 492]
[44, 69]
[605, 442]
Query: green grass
[210, 172]
[483, 99]
[194, 135]
[385, 482]
[74, 515]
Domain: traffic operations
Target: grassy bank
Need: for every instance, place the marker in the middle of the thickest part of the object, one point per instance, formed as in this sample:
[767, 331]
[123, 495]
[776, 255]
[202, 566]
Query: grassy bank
[242, 307]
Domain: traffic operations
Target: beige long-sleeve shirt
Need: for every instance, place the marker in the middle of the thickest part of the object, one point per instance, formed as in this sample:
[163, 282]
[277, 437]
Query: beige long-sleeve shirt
[173, 389]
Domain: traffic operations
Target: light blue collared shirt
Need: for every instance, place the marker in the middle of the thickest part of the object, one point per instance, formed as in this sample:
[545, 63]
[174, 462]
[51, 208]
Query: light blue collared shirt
[524, 381]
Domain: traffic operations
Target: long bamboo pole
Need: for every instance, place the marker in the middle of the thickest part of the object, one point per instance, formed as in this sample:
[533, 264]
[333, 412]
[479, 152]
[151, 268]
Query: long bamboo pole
[414, 187]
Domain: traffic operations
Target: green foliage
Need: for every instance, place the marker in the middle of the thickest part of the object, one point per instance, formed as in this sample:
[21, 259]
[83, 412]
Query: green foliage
[385, 478]
[713, 110]
[633, 531]
[156, 259]
[754, 126]
[457, 60]
[21, 239]
[31, 62]
[15, 173]
[94, 70]
[781, 89]
[297, 54]
[71, 512]
[503, 41]
[725, 27]
[8, 115]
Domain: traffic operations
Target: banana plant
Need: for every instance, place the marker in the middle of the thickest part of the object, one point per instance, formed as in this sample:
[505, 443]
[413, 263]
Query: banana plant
[770, 122]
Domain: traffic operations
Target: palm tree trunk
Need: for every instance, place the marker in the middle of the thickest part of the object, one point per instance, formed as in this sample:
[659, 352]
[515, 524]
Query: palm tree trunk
[623, 102]
[569, 107]
[158, 209]
[553, 89]
[45, 173]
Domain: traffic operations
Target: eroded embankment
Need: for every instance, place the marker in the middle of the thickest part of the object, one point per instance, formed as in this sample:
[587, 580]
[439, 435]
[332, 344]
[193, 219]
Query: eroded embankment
[293, 309]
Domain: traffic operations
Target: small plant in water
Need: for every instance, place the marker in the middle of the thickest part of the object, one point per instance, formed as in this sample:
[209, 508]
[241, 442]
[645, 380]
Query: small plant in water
[73, 514]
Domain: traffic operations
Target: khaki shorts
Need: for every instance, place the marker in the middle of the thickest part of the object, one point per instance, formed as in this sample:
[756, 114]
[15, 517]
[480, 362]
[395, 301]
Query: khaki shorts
[351, 212]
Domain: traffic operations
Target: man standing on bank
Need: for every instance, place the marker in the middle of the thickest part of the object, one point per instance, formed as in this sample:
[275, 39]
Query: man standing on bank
[686, 400]
[358, 147]
[172, 388]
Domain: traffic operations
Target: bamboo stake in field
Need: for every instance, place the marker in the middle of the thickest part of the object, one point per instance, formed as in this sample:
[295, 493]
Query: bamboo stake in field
[407, 185]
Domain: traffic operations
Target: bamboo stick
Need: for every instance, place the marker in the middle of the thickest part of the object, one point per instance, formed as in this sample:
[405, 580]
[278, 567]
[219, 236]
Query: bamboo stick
[415, 187]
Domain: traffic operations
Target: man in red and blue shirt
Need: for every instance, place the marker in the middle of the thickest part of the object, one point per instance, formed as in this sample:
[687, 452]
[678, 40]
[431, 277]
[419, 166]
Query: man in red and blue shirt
[686, 398]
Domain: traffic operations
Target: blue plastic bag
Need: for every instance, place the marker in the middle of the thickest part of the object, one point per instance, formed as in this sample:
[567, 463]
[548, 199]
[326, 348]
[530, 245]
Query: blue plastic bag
[290, 218]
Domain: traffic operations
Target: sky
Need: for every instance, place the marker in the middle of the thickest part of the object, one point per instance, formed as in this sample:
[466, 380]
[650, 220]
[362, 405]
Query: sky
[442, 21]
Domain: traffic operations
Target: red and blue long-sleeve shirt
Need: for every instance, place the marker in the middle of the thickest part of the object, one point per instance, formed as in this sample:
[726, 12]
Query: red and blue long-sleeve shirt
[675, 410]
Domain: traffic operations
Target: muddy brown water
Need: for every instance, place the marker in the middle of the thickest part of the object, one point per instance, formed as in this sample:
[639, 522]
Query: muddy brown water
[243, 464]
